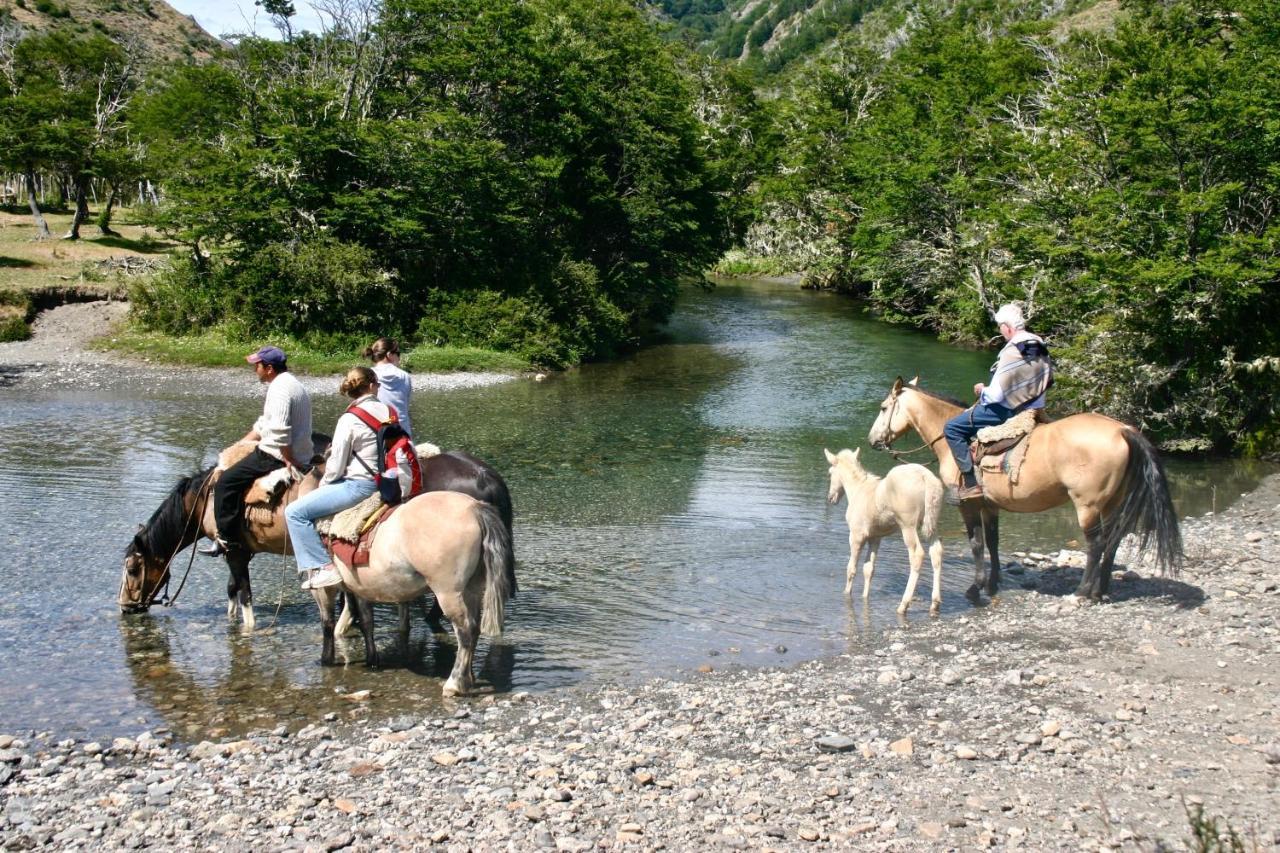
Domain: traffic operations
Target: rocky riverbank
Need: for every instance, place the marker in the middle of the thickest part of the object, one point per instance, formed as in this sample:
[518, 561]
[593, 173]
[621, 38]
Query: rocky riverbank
[1026, 724]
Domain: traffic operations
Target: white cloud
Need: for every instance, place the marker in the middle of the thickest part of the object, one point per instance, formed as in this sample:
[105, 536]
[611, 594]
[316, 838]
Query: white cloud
[221, 17]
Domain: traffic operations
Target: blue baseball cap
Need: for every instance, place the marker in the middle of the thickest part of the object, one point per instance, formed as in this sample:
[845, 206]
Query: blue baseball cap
[272, 356]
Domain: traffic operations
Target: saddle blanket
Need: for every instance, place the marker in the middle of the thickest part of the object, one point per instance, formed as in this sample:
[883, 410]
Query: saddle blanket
[1002, 448]
[355, 554]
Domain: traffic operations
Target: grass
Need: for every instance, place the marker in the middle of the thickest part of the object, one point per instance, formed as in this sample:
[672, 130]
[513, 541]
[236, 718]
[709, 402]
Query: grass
[214, 349]
[27, 264]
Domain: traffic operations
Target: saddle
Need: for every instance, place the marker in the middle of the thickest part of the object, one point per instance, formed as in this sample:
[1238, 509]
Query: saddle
[348, 534]
[262, 498]
[1001, 448]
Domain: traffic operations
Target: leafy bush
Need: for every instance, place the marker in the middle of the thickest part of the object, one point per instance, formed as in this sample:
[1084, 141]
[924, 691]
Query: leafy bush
[185, 298]
[488, 319]
[318, 287]
[15, 311]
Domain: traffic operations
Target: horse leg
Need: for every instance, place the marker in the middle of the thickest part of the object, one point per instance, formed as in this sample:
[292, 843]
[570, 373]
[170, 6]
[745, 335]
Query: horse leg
[432, 613]
[463, 611]
[851, 570]
[402, 634]
[1091, 523]
[991, 533]
[233, 592]
[915, 554]
[935, 557]
[366, 625]
[973, 527]
[238, 562]
[869, 567]
[325, 598]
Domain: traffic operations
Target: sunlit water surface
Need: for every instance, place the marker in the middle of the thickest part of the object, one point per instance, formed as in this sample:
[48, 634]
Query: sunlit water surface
[670, 513]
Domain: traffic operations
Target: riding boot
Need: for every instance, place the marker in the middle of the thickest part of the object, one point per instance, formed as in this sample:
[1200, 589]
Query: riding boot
[970, 488]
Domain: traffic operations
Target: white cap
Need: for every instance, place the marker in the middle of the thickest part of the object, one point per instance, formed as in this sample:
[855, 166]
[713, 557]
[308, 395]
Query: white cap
[1011, 313]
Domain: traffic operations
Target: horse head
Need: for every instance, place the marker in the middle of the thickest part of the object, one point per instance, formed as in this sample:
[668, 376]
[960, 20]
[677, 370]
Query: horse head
[892, 421]
[143, 575]
[844, 466]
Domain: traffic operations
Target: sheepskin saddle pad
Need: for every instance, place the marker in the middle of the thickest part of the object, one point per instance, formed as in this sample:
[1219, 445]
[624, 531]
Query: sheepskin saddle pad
[1001, 448]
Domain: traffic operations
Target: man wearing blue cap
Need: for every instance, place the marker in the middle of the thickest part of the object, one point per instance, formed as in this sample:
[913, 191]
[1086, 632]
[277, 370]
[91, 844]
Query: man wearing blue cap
[283, 436]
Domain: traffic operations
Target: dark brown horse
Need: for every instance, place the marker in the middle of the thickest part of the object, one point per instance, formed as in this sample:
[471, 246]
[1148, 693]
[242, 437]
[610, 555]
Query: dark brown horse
[1108, 470]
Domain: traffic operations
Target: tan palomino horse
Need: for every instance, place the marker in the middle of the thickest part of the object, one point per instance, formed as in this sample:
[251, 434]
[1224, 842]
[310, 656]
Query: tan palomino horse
[908, 498]
[1108, 470]
[446, 542]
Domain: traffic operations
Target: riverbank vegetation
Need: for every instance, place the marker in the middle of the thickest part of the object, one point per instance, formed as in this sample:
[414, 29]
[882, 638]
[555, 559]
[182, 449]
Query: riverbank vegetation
[1119, 177]
[537, 177]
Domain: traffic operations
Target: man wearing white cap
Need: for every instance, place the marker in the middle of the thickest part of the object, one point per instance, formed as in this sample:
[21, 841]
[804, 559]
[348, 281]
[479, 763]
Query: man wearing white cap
[1019, 379]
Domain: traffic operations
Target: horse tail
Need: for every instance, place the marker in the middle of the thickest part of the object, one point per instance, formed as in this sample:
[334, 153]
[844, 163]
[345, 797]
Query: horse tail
[932, 505]
[499, 565]
[1146, 508]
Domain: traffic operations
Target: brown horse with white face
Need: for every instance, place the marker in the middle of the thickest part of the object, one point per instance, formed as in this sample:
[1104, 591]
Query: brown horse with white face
[1108, 470]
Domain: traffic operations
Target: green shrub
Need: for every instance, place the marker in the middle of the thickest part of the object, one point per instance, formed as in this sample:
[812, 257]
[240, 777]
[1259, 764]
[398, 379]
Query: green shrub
[491, 320]
[13, 327]
[568, 320]
[318, 287]
[184, 298]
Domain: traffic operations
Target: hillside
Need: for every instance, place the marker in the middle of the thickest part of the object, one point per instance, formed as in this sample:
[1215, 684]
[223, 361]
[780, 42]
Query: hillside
[770, 35]
[160, 29]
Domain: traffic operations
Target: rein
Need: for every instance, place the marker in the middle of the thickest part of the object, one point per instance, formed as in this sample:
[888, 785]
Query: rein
[898, 454]
[201, 502]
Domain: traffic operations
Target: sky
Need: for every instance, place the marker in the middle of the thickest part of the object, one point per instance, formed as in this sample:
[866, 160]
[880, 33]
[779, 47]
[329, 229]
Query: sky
[241, 16]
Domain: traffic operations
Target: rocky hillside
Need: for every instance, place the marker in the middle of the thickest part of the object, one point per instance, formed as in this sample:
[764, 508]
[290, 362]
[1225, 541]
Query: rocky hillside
[770, 35]
[154, 25]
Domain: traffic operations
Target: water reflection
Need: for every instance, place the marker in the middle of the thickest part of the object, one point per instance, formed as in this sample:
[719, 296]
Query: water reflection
[670, 513]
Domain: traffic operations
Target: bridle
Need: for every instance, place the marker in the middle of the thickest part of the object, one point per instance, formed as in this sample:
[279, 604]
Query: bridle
[888, 445]
[161, 590]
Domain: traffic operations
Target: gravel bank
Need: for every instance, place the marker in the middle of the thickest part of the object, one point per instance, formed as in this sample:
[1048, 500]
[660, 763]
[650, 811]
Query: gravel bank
[1028, 724]
[57, 356]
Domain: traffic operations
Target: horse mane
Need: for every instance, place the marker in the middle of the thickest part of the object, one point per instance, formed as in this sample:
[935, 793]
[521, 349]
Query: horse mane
[165, 529]
[935, 395]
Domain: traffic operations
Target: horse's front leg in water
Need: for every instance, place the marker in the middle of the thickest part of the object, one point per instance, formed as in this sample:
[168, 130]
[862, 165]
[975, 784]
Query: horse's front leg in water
[991, 533]
[365, 609]
[972, 516]
[238, 561]
[325, 598]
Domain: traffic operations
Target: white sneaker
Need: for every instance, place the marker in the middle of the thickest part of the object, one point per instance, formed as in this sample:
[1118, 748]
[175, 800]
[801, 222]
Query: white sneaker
[320, 578]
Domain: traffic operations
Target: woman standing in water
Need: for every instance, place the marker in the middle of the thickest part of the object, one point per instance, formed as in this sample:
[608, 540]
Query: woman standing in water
[394, 385]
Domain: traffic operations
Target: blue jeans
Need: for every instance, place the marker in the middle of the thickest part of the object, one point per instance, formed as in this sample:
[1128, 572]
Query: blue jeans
[301, 517]
[961, 429]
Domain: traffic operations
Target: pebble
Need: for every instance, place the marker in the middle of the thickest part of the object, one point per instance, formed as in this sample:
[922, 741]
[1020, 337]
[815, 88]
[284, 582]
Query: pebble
[1016, 712]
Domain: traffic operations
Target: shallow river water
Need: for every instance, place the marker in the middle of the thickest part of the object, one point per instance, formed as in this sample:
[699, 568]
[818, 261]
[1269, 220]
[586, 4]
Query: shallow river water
[670, 513]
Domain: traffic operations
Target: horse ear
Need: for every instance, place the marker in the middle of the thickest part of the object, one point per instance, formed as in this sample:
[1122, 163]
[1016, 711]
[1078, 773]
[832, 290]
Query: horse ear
[915, 383]
[897, 385]
[831, 459]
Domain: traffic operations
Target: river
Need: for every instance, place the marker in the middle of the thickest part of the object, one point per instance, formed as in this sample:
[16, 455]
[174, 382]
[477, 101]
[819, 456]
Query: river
[670, 515]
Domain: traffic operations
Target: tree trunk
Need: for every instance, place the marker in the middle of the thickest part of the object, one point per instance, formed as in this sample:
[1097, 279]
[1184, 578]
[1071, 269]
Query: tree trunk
[81, 214]
[42, 227]
[104, 220]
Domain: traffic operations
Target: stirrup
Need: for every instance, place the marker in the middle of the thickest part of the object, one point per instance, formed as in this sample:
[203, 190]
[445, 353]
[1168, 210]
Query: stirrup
[969, 493]
[215, 548]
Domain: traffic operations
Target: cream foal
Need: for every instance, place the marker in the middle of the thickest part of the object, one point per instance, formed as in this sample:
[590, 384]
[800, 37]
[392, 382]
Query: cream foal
[908, 498]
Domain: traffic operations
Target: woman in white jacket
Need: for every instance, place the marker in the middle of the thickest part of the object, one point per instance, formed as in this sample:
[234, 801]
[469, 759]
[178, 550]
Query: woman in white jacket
[348, 479]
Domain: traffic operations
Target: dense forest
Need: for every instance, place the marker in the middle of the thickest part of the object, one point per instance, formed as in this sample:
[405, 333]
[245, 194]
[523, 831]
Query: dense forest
[539, 176]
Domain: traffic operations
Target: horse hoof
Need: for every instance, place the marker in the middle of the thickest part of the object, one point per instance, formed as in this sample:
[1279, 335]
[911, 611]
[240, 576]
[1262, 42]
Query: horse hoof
[973, 593]
[935, 608]
[902, 610]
